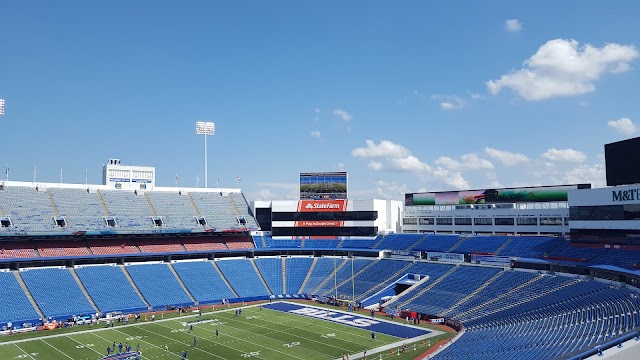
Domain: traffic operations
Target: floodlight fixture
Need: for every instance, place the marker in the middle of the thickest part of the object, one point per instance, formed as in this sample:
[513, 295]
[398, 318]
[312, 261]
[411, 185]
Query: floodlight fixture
[1, 107]
[205, 128]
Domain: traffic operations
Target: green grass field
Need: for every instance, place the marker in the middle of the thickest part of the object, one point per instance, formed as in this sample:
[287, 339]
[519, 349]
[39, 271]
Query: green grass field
[261, 334]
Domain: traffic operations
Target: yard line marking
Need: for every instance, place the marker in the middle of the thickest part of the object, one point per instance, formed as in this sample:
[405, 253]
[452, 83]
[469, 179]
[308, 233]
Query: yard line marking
[259, 345]
[306, 348]
[87, 347]
[26, 353]
[284, 332]
[176, 341]
[109, 341]
[58, 350]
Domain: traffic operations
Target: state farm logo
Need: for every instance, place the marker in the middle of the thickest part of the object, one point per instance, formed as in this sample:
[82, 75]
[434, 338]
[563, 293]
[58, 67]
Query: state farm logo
[322, 206]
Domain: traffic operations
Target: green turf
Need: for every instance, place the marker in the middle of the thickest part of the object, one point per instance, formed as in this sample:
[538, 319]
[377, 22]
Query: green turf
[261, 334]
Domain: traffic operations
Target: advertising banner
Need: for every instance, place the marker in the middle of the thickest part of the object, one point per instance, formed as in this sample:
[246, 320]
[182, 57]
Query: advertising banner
[448, 257]
[491, 260]
[319, 223]
[322, 205]
[493, 196]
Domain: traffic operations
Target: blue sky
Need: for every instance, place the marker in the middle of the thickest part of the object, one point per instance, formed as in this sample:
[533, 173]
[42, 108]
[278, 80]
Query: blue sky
[406, 96]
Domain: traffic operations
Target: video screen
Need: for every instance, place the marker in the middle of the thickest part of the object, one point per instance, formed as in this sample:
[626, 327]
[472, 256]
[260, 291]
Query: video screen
[323, 186]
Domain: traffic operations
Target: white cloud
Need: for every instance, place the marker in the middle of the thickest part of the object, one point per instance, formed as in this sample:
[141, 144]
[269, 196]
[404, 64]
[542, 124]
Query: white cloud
[476, 96]
[316, 110]
[375, 165]
[586, 174]
[466, 162]
[513, 25]
[276, 191]
[623, 125]
[393, 157]
[342, 114]
[384, 149]
[568, 155]
[563, 68]
[505, 157]
[315, 134]
[448, 102]
[447, 106]
[453, 179]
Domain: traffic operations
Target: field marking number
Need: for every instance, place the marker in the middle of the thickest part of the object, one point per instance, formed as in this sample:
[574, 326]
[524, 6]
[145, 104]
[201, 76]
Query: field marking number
[251, 354]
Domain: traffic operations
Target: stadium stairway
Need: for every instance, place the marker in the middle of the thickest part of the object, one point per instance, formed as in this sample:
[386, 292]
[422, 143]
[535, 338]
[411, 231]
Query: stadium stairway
[224, 278]
[284, 275]
[255, 267]
[424, 237]
[512, 305]
[348, 280]
[335, 271]
[504, 295]
[83, 289]
[473, 293]
[235, 206]
[375, 246]
[195, 207]
[154, 213]
[438, 280]
[28, 293]
[456, 244]
[56, 212]
[306, 278]
[504, 245]
[135, 287]
[386, 281]
[173, 271]
[411, 288]
[105, 210]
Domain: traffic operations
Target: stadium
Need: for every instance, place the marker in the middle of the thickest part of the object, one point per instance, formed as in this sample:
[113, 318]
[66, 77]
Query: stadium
[540, 273]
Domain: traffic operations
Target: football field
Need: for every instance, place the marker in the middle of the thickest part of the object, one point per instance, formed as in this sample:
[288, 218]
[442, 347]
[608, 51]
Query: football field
[274, 331]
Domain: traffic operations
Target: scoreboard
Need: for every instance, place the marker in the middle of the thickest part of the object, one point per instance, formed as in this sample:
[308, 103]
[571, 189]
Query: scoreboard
[323, 185]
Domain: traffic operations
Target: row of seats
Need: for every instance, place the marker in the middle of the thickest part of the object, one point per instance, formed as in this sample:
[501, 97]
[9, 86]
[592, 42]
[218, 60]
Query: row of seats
[505, 312]
[81, 247]
[34, 210]
[538, 247]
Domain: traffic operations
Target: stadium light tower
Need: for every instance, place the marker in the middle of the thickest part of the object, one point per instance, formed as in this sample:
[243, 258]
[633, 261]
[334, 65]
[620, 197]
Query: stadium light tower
[1, 107]
[206, 129]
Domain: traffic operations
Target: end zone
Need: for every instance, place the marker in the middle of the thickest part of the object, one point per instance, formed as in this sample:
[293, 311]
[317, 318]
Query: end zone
[377, 325]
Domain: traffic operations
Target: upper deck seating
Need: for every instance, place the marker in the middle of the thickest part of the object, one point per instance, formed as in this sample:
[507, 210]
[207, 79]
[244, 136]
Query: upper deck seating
[28, 209]
[82, 210]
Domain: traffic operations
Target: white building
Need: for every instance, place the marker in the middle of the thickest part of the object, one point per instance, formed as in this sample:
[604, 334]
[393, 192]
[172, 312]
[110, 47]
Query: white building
[126, 177]
[542, 210]
[606, 215]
